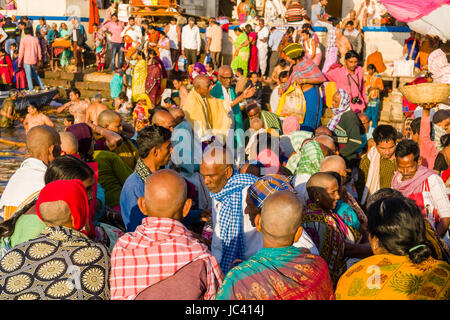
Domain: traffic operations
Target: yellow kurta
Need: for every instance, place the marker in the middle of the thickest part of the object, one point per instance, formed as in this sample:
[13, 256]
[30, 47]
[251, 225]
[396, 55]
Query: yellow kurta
[399, 279]
[207, 114]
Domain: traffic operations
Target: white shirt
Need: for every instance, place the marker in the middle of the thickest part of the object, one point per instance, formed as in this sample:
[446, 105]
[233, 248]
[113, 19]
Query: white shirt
[275, 99]
[134, 33]
[263, 34]
[190, 38]
[227, 96]
[253, 241]
[173, 36]
[28, 179]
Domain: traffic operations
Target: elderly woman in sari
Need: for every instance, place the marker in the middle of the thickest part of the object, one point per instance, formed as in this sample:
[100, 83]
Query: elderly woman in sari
[139, 76]
[402, 258]
[336, 241]
[308, 76]
[343, 124]
[242, 51]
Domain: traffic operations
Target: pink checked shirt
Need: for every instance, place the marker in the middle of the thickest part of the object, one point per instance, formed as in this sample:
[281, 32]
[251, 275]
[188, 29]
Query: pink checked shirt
[155, 251]
[116, 30]
[340, 76]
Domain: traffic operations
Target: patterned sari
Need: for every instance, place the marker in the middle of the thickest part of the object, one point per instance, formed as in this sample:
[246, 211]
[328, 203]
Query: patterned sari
[399, 279]
[139, 78]
[328, 232]
[287, 273]
[46, 268]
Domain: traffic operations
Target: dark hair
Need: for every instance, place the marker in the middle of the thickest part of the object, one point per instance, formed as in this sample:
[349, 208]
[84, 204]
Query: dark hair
[283, 74]
[384, 133]
[131, 18]
[240, 70]
[283, 63]
[350, 23]
[123, 96]
[415, 126]
[162, 33]
[383, 194]
[75, 91]
[95, 24]
[65, 167]
[248, 28]
[351, 54]
[22, 23]
[210, 64]
[70, 118]
[400, 228]
[150, 137]
[445, 140]
[372, 67]
[28, 30]
[173, 19]
[238, 29]
[290, 30]
[307, 26]
[252, 73]
[440, 116]
[334, 21]
[405, 148]
[32, 105]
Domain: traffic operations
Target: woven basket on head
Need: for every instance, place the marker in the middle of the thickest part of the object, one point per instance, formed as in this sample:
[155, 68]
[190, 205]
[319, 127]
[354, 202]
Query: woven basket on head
[426, 92]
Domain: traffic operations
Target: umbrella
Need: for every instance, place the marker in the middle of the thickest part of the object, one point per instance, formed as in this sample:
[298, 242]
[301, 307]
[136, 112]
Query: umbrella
[425, 17]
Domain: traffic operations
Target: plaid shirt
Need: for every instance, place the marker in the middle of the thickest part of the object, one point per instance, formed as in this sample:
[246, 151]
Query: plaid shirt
[155, 251]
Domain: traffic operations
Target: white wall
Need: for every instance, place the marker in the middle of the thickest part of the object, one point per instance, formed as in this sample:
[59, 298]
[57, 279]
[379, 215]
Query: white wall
[390, 44]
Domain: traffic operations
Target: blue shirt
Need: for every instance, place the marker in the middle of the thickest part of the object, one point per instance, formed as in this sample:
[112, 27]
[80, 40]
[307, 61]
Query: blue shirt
[347, 214]
[275, 39]
[132, 190]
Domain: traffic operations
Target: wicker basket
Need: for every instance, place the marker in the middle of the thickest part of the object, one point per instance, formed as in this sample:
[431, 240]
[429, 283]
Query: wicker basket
[426, 92]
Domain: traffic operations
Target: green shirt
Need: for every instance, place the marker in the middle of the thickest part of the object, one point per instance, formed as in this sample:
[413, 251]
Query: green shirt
[387, 170]
[112, 174]
[27, 227]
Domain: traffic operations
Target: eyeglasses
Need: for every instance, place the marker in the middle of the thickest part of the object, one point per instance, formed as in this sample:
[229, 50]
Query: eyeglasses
[226, 78]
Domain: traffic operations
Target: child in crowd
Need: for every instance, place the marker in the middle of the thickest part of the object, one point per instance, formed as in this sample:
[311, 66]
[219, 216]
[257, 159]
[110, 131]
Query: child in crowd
[141, 114]
[69, 120]
[35, 118]
[182, 91]
[20, 78]
[168, 103]
[212, 74]
[374, 86]
[116, 84]
[122, 104]
[100, 47]
[12, 49]
[255, 82]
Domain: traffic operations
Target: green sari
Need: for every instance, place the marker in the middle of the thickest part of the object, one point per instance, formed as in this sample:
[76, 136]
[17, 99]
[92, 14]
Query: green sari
[241, 60]
[67, 54]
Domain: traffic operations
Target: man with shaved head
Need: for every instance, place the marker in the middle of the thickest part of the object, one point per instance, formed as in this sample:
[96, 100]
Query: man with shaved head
[224, 91]
[43, 145]
[233, 237]
[163, 119]
[69, 143]
[154, 153]
[95, 108]
[280, 270]
[336, 241]
[323, 130]
[164, 256]
[207, 115]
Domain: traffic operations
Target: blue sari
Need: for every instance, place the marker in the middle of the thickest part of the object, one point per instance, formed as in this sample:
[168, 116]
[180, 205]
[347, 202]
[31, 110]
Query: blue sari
[314, 108]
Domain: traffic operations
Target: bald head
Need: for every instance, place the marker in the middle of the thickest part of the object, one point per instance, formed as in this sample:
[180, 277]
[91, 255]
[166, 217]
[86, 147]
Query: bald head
[178, 115]
[326, 141]
[217, 155]
[216, 168]
[320, 180]
[106, 117]
[323, 130]
[333, 164]
[225, 70]
[163, 119]
[69, 143]
[202, 85]
[165, 195]
[281, 216]
[55, 213]
[43, 143]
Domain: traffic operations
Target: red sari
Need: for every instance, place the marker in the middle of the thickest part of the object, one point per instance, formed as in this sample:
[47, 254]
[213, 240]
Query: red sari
[253, 62]
[6, 73]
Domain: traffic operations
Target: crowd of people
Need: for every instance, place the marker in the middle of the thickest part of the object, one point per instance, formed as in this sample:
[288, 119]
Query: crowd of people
[210, 194]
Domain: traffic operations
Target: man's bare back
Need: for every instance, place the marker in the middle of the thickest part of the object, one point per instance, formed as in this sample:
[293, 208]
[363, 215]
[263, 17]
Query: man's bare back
[78, 110]
[94, 110]
[38, 119]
